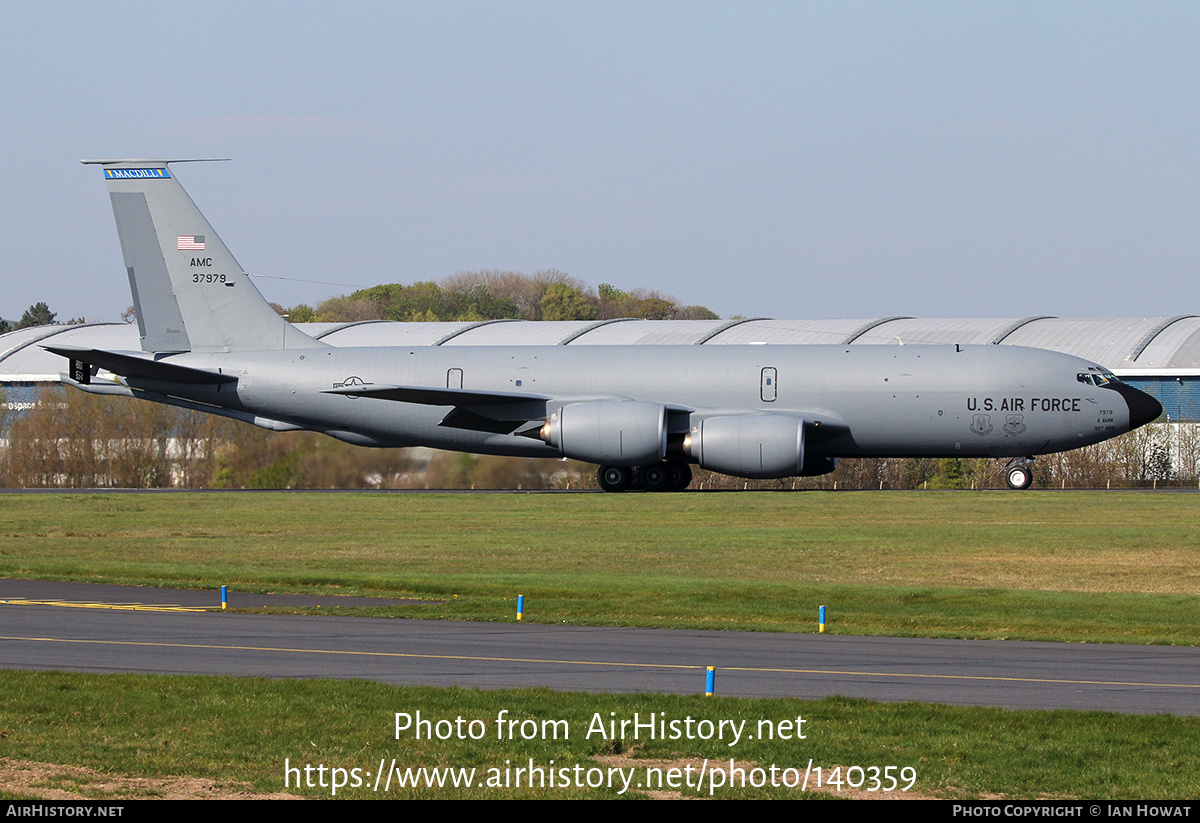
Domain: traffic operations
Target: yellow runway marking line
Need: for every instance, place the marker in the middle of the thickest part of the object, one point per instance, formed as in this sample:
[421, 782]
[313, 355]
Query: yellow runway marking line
[552, 662]
[994, 678]
[84, 604]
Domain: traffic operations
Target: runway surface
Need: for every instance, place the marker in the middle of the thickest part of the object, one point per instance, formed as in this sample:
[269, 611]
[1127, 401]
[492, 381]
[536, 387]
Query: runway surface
[109, 635]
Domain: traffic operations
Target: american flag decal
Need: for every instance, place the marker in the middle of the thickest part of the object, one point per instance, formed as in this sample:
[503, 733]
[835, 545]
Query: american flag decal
[190, 242]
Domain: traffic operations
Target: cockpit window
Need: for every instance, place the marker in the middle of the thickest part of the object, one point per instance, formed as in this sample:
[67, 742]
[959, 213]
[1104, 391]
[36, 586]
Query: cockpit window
[1098, 378]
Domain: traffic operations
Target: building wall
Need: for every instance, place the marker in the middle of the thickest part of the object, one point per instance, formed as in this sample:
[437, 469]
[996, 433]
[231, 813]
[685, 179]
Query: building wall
[1180, 396]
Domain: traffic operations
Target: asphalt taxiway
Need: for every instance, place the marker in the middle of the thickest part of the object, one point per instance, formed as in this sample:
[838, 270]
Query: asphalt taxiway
[109, 629]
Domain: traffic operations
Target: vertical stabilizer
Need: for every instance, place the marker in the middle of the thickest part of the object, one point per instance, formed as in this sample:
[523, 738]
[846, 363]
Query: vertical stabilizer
[189, 292]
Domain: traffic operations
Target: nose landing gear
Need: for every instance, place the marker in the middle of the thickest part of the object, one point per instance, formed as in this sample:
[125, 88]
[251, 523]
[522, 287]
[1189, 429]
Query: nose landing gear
[1019, 474]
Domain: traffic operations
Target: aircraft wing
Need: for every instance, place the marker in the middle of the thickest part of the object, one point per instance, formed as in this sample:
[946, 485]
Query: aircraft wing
[426, 396]
[131, 364]
[496, 412]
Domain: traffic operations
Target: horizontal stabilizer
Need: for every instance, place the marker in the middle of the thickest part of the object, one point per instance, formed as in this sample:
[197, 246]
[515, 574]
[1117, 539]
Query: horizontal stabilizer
[135, 365]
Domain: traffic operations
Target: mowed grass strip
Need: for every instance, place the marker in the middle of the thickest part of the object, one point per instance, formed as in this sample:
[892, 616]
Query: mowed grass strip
[1082, 566]
[240, 732]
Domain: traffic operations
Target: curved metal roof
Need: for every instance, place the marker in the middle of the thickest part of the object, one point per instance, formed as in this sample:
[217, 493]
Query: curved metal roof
[1136, 345]
[23, 360]
[787, 332]
[911, 331]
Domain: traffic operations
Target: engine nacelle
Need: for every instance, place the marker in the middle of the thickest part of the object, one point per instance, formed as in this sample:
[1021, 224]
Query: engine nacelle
[816, 466]
[611, 432]
[748, 445]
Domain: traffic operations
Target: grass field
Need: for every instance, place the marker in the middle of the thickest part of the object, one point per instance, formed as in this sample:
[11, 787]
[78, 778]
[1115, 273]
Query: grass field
[1078, 566]
[129, 736]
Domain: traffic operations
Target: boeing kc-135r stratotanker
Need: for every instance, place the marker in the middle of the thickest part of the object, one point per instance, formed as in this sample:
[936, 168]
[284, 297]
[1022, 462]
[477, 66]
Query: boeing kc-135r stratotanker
[645, 414]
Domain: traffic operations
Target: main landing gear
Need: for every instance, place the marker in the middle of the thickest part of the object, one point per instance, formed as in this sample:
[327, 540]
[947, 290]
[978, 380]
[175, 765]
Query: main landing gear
[1019, 474]
[668, 476]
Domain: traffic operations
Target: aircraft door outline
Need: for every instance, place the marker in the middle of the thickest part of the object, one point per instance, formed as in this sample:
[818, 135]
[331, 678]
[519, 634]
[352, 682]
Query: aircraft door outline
[768, 388]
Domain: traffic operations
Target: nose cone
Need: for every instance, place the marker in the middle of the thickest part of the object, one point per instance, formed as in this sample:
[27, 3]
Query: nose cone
[1143, 408]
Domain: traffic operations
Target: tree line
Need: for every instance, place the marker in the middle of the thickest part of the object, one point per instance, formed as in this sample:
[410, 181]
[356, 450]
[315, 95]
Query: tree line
[496, 295]
[70, 439]
[467, 296]
[38, 314]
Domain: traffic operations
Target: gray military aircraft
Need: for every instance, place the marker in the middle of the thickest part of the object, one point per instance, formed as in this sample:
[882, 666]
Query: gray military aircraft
[645, 414]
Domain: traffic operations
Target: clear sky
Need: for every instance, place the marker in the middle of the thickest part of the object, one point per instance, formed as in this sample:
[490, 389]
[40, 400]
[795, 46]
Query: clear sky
[795, 159]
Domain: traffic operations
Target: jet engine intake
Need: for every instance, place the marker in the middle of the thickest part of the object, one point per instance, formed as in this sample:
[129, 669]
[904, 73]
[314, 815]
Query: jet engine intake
[748, 445]
[612, 432]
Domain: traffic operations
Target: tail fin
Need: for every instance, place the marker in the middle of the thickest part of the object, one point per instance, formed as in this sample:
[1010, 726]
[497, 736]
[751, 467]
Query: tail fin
[189, 292]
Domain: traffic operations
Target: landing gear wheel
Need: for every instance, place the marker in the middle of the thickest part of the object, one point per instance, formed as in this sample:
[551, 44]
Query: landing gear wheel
[615, 478]
[1018, 477]
[654, 478]
[680, 475]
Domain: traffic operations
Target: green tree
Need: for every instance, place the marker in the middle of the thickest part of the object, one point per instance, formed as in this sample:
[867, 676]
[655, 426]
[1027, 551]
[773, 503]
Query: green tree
[697, 313]
[915, 471]
[610, 293]
[652, 307]
[38, 314]
[949, 474]
[648, 305]
[300, 313]
[346, 310]
[561, 302]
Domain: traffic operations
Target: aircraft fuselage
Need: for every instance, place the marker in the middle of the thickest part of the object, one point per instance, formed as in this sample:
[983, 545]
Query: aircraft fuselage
[979, 401]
